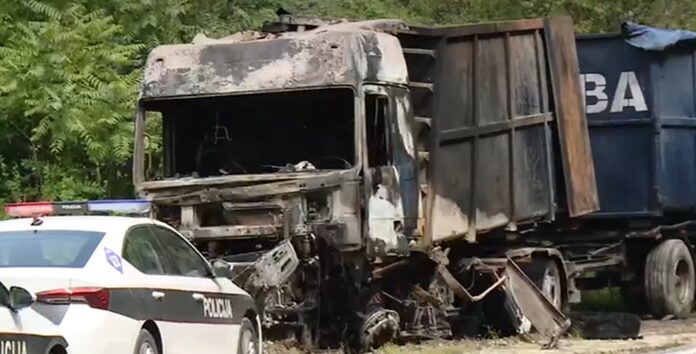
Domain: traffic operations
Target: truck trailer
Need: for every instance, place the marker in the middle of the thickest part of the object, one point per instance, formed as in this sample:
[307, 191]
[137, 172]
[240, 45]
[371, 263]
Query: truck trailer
[640, 89]
[368, 180]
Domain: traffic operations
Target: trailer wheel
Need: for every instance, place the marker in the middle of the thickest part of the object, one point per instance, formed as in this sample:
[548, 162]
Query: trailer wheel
[546, 275]
[669, 279]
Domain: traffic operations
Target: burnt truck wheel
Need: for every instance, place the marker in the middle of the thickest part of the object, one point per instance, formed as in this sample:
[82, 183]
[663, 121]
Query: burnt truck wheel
[305, 337]
[546, 275]
[669, 280]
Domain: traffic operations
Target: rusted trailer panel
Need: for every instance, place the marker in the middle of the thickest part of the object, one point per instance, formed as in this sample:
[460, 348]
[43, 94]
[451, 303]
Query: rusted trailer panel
[578, 165]
[499, 94]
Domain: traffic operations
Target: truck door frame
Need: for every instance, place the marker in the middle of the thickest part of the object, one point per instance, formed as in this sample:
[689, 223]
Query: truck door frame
[401, 164]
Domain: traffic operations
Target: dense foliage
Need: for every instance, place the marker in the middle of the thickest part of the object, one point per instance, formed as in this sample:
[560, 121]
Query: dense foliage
[69, 70]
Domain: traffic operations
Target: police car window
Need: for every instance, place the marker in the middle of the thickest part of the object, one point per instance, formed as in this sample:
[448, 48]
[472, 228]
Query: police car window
[140, 249]
[184, 260]
[47, 248]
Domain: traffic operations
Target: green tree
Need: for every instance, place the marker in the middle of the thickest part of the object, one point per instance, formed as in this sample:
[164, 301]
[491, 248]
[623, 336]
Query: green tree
[69, 70]
[66, 92]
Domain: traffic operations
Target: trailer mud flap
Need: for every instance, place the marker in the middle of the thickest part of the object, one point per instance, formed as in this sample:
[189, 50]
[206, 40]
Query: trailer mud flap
[573, 134]
[528, 307]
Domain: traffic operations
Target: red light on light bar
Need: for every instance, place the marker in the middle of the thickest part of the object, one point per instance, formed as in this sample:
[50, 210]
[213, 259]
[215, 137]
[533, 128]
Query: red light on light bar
[29, 209]
[97, 298]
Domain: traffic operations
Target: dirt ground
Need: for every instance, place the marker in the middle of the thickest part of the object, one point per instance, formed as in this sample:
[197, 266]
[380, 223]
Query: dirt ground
[656, 336]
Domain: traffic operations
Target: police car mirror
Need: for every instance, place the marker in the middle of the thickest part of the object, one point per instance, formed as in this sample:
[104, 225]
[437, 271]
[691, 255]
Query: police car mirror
[20, 298]
[4, 296]
[222, 269]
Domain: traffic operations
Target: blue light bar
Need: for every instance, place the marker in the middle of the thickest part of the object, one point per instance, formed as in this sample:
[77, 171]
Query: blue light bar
[122, 206]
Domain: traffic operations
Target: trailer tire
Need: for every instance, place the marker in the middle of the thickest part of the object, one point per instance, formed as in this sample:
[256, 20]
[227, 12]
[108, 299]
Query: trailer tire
[669, 279]
[546, 275]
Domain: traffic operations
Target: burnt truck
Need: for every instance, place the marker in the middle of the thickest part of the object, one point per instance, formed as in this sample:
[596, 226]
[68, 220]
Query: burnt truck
[372, 180]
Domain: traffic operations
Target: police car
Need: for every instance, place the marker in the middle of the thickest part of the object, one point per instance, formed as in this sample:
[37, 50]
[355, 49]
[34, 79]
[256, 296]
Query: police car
[87, 284]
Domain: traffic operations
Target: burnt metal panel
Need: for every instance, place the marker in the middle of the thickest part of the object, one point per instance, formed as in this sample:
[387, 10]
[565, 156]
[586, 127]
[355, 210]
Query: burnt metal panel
[641, 110]
[491, 162]
[576, 155]
[338, 55]
[479, 29]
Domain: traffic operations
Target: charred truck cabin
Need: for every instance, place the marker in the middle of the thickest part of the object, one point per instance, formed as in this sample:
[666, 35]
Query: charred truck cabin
[369, 180]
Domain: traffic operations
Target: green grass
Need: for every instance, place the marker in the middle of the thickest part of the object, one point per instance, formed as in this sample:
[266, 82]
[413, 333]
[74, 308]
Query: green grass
[606, 300]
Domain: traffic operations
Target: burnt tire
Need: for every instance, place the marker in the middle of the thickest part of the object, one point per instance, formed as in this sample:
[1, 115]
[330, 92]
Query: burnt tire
[248, 340]
[669, 280]
[602, 325]
[146, 343]
[546, 275]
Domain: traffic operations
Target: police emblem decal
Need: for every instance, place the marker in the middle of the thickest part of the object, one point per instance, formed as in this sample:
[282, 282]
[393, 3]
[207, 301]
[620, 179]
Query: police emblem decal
[113, 259]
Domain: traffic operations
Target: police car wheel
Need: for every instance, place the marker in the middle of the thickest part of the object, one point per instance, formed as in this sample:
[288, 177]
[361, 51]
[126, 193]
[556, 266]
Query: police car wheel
[146, 343]
[248, 341]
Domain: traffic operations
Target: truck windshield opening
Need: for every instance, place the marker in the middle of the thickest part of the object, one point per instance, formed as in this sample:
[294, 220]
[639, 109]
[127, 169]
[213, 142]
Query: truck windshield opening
[257, 133]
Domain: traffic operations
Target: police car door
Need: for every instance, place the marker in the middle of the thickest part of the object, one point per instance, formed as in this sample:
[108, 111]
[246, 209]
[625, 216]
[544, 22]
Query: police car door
[152, 295]
[213, 316]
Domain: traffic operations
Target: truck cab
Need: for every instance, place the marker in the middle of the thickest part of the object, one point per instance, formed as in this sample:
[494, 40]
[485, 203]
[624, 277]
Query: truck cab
[276, 135]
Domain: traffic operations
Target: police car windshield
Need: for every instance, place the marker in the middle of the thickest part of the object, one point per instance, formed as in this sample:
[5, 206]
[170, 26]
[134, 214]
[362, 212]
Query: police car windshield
[47, 248]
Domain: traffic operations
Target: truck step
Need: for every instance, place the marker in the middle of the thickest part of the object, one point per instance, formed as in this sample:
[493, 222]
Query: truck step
[424, 120]
[421, 85]
[419, 51]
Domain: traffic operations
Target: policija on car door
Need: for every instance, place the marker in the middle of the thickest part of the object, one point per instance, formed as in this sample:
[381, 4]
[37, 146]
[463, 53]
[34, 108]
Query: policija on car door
[192, 311]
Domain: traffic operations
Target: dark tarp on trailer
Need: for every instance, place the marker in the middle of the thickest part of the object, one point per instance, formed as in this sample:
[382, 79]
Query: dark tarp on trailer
[650, 38]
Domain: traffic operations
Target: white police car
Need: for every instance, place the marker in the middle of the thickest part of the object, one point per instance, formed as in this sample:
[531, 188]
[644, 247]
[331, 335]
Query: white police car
[109, 284]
